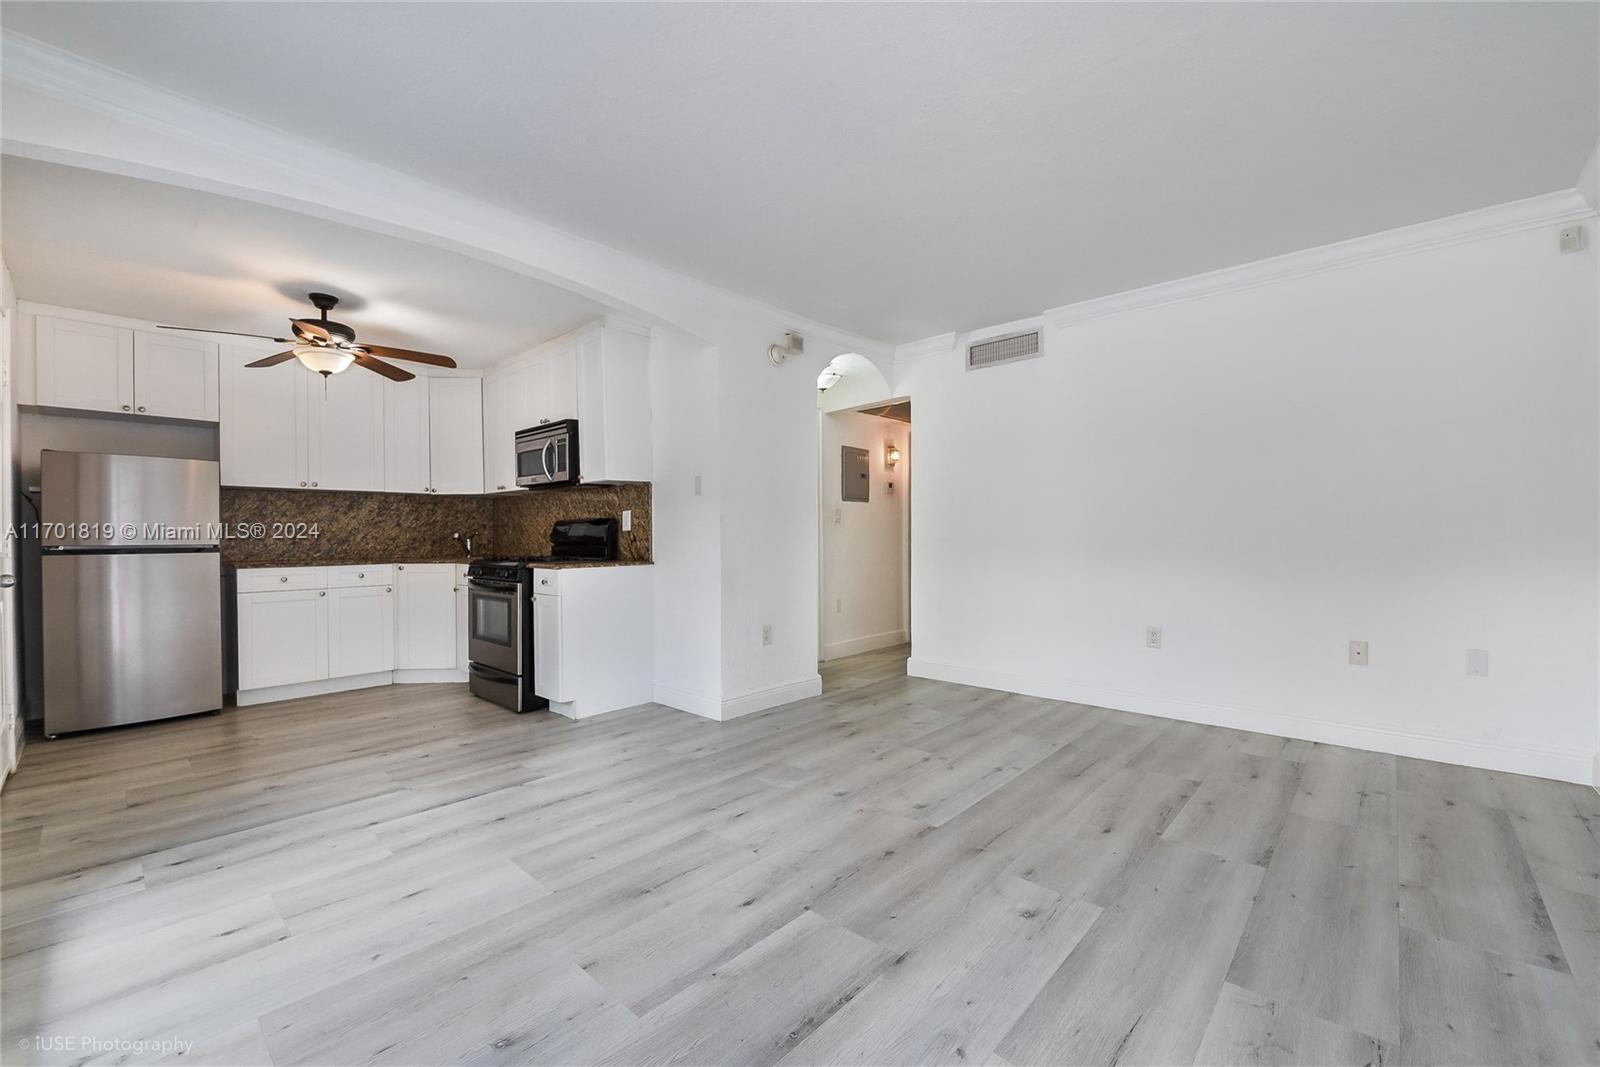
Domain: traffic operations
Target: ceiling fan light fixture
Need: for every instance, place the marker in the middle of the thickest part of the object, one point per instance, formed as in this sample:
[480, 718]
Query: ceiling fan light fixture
[323, 359]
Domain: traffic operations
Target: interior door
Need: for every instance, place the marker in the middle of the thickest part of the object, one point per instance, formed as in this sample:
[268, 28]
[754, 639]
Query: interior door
[174, 376]
[346, 430]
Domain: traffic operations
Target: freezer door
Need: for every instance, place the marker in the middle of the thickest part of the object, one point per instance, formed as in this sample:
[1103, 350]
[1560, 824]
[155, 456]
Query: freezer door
[90, 499]
[129, 637]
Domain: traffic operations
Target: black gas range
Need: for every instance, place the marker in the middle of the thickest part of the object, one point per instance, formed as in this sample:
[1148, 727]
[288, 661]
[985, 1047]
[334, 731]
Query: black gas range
[500, 611]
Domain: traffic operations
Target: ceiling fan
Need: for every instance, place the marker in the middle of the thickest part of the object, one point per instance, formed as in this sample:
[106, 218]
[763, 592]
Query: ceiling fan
[329, 347]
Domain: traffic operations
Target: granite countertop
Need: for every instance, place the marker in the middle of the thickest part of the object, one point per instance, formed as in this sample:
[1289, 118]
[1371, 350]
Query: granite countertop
[253, 563]
[565, 564]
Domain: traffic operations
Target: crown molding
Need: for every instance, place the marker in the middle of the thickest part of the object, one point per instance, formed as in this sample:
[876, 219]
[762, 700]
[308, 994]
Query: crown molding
[928, 346]
[206, 148]
[1547, 210]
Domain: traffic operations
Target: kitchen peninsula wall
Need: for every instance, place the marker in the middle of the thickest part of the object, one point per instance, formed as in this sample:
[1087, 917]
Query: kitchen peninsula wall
[355, 527]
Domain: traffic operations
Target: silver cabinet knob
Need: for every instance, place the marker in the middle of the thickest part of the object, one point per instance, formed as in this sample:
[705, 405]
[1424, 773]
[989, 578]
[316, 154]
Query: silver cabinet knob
[7, 581]
[499, 487]
[401, 567]
[285, 578]
[302, 485]
[390, 589]
[127, 407]
[361, 574]
[313, 485]
[323, 593]
[141, 407]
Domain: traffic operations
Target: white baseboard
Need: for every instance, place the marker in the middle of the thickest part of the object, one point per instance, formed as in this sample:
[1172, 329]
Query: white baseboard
[771, 697]
[1540, 762]
[426, 677]
[854, 646]
[322, 686]
[701, 704]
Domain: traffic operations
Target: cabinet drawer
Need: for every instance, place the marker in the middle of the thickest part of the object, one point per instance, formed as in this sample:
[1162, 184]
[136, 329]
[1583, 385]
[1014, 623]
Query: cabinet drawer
[547, 582]
[277, 579]
[365, 574]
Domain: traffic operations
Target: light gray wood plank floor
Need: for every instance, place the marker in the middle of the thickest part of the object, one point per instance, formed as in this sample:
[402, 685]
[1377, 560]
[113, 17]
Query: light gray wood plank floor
[897, 872]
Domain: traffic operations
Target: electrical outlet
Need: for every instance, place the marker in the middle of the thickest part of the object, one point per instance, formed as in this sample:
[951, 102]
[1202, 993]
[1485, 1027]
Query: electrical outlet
[627, 521]
[1573, 237]
[766, 633]
[1152, 637]
[1358, 653]
[1477, 663]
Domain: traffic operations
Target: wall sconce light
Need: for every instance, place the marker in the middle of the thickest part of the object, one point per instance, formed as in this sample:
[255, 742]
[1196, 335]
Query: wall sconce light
[891, 455]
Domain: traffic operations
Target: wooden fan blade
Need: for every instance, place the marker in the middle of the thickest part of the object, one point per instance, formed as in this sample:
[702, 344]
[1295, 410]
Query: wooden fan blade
[388, 370]
[272, 361]
[406, 354]
[230, 333]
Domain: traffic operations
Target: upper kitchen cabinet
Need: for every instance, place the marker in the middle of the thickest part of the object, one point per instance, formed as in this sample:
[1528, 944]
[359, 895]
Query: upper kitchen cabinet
[613, 403]
[455, 435]
[175, 376]
[284, 427]
[93, 366]
[345, 416]
[599, 376]
[83, 365]
[263, 436]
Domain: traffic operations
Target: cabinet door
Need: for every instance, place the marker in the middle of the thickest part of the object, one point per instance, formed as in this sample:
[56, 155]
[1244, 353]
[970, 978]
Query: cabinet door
[549, 680]
[346, 430]
[562, 382]
[174, 376]
[456, 435]
[536, 406]
[427, 616]
[262, 433]
[463, 660]
[283, 638]
[360, 630]
[506, 397]
[83, 365]
[405, 429]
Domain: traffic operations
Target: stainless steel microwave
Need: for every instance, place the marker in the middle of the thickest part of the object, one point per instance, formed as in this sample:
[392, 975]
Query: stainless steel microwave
[547, 454]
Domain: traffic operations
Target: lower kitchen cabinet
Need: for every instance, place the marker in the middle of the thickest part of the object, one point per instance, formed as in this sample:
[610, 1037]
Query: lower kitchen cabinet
[361, 630]
[283, 637]
[426, 621]
[593, 642]
[307, 630]
[463, 660]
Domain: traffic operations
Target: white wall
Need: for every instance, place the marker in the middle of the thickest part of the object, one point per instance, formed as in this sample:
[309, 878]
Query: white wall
[686, 534]
[1402, 452]
[863, 544]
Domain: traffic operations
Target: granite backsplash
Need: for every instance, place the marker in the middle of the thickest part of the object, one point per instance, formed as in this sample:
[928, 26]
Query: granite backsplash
[418, 527]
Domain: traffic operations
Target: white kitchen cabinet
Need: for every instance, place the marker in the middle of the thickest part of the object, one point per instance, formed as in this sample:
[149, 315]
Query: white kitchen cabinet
[347, 434]
[426, 620]
[262, 432]
[593, 638]
[549, 674]
[463, 660]
[361, 630]
[505, 397]
[283, 638]
[405, 434]
[175, 376]
[455, 435]
[83, 365]
[561, 383]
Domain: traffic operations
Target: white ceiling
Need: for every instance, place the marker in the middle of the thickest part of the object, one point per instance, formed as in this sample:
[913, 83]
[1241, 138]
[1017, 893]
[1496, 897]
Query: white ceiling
[903, 170]
[122, 246]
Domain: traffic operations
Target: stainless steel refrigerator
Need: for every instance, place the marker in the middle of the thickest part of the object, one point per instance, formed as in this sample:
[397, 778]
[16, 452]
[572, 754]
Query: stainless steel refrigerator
[132, 592]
